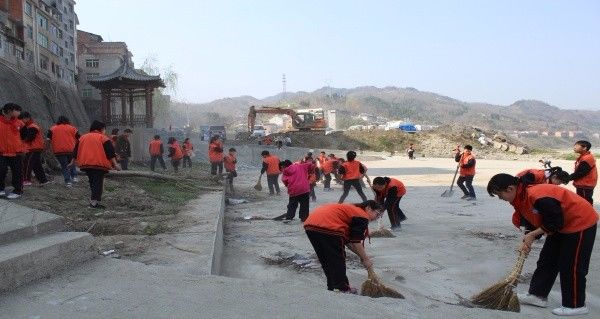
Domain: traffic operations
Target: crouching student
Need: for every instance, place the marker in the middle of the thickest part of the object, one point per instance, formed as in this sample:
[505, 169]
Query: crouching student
[95, 155]
[175, 153]
[569, 223]
[554, 175]
[330, 227]
[389, 192]
[230, 162]
[296, 179]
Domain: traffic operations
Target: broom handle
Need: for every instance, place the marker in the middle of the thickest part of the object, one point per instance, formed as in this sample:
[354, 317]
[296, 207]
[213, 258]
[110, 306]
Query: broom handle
[518, 267]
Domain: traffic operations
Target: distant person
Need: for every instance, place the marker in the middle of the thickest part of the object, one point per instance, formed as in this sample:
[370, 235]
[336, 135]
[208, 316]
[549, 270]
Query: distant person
[327, 168]
[114, 135]
[569, 223]
[188, 151]
[466, 162]
[33, 140]
[230, 162]
[333, 227]
[288, 141]
[389, 192]
[11, 150]
[63, 137]
[585, 175]
[270, 166]
[313, 175]
[410, 151]
[215, 155]
[123, 149]
[95, 156]
[156, 151]
[296, 178]
[175, 153]
[352, 172]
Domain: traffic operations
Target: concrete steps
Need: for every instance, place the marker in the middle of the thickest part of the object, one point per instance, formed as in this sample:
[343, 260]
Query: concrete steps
[33, 246]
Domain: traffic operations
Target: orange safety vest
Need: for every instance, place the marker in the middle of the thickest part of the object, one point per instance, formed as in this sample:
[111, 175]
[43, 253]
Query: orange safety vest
[322, 159]
[352, 169]
[539, 175]
[401, 189]
[215, 152]
[591, 179]
[327, 166]
[178, 152]
[37, 145]
[10, 137]
[334, 219]
[155, 147]
[63, 139]
[272, 164]
[229, 162]
[90, 152]
[464, 159]
[578, 213]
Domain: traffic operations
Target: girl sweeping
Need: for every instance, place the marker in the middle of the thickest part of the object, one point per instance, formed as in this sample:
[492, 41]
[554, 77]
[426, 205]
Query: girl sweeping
[330, 227]
[389, 192]
[569, 223]
[296, 179]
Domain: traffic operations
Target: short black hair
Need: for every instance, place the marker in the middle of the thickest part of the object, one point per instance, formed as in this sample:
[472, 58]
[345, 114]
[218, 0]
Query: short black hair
[562, 176]
[9, 107]
[171, 140]
[114, 131]
[500, 183]
[380, 180]
[232, 150]
[63, 120]
[97, 126]
[24, 115]
[469, 147]
[128, 130]
[264, 153]
[369, 203]
[351, 155]
[585, 144]
[157, 137]
[286, 163]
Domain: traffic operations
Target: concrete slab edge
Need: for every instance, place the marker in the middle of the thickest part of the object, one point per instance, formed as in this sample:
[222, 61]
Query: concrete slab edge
[217, 249]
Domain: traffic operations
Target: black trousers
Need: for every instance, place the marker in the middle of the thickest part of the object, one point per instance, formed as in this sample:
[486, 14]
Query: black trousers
[216, 166]
[568, 255]
[327, 180]
[124, 163]
[175, 164]
[230, 176]
[273, 183]
[332, 255]
[15, 163]
[33, 162]
[395, 214]
[352, 183]
[466, 180]
[313, 195]
[586, 193]
[304, 202]
[187, 161]
[160, 160]
[96, 179]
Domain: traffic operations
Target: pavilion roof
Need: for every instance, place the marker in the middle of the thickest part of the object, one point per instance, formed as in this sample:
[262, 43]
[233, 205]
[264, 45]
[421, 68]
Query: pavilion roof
[126, 75]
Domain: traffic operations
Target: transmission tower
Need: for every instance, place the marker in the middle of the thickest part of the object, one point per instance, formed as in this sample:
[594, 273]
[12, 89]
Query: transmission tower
[283, 81]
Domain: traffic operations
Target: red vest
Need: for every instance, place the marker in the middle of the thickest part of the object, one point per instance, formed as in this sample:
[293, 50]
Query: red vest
[37, 145]
[90, 152]
[229, 162]
[334, 219]
[352, 170]
[464, 159]
[591, 179]
[178, 152]
[272, 164]
[401, 189]
[155, 147]
[539, 175]
[215, 152]
[63, 138]
[10, 137]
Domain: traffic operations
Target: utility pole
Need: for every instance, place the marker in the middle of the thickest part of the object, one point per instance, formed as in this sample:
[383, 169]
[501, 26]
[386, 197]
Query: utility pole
[283, 81]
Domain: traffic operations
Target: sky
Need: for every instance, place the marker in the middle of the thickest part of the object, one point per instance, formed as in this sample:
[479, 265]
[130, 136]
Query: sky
[476, 51]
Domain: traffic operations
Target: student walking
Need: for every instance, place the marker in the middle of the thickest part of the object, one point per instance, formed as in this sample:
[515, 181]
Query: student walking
[175, 153]
[569, 223]
[11, 150]
[330, 227]
[230, 162]
[156, 151]
[215, 155]
[296, 178]
[352, 172]
[123, 149]
[585, 176]
[326, 169]
[188, 150]
[95, 156]
[466, 162]
[271, 167]
[389, 192]
[63, 137]
[33, 140]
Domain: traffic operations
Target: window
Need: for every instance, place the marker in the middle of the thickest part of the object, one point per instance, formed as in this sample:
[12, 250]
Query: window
[29, 31]
[54, 30]
[42, 22]
[66, 61]
[61, 52]
[60, 33]
[54, 48]
[71, 41]
[29, 56]
[71, 25]
[72, 57]
[42, 40]
[28, 9]
[90, 76]
[18, 52]
[43, 62]
[86, 93]
[92, 63]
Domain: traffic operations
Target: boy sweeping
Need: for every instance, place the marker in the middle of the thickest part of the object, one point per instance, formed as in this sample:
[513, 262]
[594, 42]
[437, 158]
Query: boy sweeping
[389, 192]
[466, 162]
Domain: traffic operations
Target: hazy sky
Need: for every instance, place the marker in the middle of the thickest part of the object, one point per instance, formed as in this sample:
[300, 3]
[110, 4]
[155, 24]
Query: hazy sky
[476, 51]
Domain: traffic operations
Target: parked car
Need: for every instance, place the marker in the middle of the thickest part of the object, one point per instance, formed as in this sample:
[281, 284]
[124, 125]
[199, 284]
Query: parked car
[258, 131]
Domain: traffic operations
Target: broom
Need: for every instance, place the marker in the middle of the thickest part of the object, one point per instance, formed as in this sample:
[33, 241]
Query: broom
[373, 288]
[380, 232]
[258, 186]
[500, 296]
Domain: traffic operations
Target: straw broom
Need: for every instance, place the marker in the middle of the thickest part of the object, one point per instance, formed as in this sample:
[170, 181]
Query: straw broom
[258, 185]
[373, 288]
[500, 296]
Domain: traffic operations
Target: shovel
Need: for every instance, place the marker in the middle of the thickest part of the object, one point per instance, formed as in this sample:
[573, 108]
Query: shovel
[258, 185]
[449, 192]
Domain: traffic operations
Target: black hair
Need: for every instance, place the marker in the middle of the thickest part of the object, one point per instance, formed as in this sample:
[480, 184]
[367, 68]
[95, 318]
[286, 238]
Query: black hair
[500, 183]
[9, 107]
[232, 150]
[585, 144]
[128, 130]
[557, 172]
[157, 137]
[264, 153]
[63, 120]
[369, 203]
[97, 126]
[322, 152]
[114, 131]
[468, 147]
[24, 115]
[214, 138]
[381, 180]
[171, 140]
[286, 163]
[186, 139]
[351, 155]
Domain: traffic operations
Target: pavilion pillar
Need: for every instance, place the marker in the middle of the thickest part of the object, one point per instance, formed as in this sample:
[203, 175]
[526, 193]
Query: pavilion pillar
[131, 116]
[123, 106]
[107, 101]
[149, 113]
[103, 106]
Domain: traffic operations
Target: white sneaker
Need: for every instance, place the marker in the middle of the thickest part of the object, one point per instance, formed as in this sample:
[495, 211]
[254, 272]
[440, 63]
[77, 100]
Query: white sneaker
[13, 196]
[564, 311]
[69, 184]
[75, 180]
[533, 300]
[2, 193]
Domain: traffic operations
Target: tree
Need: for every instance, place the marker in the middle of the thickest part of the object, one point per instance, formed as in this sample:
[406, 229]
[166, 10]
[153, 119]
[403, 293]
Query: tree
[162, 96]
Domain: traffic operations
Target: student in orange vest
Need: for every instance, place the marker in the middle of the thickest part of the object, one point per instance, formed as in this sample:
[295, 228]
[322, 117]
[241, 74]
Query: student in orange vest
[175, 153]
[33, 139]
[188, 149]
[230, 162]
[63, 137]
[585, 176]
[330, 227]
[321, 160]
[271, 167]
[156, 150]
[11, 150]
[215, 155]
[554, 175]
[569, 223]
[326, 169]
[313, 175]
[389, 192]
[352, 172]
[466, 162]
[95, 155]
